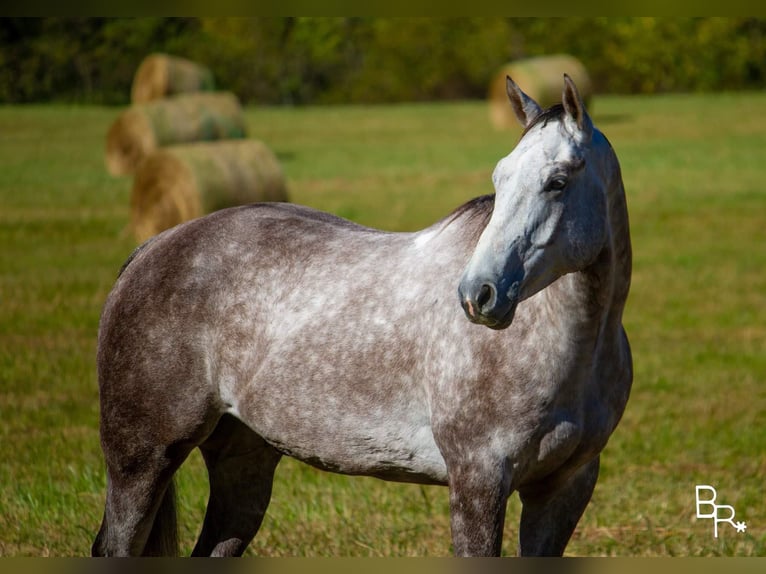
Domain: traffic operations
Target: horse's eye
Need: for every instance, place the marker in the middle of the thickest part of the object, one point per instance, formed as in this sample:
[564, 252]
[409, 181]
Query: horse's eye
[556, 183]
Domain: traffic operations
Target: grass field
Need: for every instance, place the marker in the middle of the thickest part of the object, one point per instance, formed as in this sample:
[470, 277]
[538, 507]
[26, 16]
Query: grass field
[694, 170]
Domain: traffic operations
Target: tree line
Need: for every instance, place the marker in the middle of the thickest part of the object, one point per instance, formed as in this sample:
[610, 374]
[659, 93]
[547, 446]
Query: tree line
[311, 60]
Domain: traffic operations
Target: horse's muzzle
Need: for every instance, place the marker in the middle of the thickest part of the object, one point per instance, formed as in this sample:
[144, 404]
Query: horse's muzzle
[485, 304]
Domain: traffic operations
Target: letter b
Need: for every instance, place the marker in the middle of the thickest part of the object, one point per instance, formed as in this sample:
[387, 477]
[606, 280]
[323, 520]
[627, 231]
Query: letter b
[706, 502]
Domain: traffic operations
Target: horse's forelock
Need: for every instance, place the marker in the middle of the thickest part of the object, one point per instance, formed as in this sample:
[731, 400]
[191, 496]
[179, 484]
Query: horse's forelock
[555, 112]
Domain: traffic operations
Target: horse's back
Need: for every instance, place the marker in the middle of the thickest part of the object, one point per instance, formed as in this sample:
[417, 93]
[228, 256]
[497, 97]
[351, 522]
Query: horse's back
[233, 274]
[243, 247]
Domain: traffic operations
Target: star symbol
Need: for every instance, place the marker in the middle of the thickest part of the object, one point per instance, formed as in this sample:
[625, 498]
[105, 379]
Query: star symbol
[740, 526]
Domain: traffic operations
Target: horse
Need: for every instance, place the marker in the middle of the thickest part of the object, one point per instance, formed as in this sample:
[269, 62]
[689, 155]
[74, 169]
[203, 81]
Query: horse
[485, 352]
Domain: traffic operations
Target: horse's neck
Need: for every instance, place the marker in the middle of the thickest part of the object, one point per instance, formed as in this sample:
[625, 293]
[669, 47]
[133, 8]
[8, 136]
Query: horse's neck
[621, 250]
[595, 296]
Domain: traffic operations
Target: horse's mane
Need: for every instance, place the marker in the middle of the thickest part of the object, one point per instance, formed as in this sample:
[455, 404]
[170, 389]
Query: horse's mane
[479, 209]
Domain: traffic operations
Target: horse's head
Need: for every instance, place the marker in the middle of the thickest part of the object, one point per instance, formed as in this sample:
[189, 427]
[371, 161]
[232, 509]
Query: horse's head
[550, 213]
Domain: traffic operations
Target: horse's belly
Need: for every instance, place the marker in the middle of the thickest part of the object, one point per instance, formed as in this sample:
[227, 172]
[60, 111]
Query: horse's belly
[405, 459]
[342, 398]
[387, 449]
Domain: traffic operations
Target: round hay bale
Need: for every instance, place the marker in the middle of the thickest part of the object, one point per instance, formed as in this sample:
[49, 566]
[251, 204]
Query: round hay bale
[542, 78]
[161, 75]
[182, 182]
[142, 128]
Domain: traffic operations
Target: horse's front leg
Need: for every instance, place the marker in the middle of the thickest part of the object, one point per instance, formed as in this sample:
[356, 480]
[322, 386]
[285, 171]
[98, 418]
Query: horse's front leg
[478, 497]
[550, 512]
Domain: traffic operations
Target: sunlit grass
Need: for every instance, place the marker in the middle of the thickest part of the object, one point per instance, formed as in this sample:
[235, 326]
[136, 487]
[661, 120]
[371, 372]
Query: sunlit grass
[693, 169]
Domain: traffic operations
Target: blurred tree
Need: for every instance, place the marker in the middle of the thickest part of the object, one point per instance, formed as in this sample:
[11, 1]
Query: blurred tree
[300, 60]
[424, 59]
[648, 55]
[244, 54]
[79, 59]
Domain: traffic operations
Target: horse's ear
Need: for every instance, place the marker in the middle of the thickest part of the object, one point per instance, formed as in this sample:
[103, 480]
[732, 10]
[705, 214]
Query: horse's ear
[525, 108]
[576, 115]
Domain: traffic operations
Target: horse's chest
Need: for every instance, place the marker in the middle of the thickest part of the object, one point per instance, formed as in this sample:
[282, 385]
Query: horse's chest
[583, 413]
[545, 410]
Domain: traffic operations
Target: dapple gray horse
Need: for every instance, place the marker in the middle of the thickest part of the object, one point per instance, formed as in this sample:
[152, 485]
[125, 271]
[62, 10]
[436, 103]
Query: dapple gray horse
[273, 329]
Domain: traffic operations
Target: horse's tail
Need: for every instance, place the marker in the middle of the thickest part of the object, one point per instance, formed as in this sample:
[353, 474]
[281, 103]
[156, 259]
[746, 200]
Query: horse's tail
[163, 539]
[135, 253]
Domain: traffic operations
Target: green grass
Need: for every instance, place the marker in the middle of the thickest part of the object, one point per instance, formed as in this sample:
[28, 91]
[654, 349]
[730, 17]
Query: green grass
[693, 168]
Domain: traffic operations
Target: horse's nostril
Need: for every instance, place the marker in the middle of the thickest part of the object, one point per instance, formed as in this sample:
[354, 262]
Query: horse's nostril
[486, 298]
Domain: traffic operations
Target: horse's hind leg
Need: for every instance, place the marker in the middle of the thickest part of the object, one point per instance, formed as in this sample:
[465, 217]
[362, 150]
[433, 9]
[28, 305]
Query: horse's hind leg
[139, 518]
[145, 438]
[241, 469]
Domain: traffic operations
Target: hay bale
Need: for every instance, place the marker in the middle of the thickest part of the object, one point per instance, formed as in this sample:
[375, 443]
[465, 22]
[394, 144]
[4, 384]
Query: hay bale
[142, 128]
[182, 182]
[161, 75]
[542, 78]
